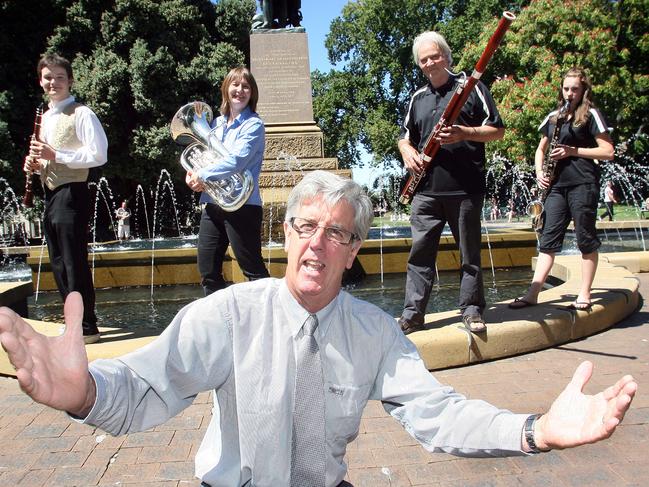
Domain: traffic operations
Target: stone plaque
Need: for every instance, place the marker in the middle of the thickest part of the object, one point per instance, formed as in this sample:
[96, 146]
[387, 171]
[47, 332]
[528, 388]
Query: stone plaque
[280, 64]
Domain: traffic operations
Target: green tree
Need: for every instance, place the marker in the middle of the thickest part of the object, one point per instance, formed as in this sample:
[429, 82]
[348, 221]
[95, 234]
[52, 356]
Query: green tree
[365, 101]
[609, 39]
[24, 28]
[136, 62]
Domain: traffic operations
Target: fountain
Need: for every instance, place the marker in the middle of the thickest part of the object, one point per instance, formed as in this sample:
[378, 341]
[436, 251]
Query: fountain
[280, 65]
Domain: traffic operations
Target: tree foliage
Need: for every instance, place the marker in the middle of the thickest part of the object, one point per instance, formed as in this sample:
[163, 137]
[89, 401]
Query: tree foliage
[23, 35]
[135, 63]
[610, 40]
[372, 39]
[363, 103]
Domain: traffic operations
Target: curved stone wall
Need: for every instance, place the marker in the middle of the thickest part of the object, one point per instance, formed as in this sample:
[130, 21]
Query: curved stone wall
[510, 332]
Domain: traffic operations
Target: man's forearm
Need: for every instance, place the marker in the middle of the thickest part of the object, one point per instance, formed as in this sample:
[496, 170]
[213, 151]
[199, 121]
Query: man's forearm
[485, 133]
[404, 144]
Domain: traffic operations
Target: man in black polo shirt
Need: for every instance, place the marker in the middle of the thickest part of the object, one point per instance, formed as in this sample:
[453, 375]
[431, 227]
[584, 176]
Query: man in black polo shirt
[454, 187]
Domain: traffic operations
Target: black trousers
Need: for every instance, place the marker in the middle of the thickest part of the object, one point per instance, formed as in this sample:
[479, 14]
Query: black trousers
[218, 229]
[609, 211]
[67, 214]
[576, 203]
[428, 216]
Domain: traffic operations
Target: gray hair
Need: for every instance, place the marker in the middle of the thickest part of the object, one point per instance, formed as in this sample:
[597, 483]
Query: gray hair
[332, 189]
[431, 37]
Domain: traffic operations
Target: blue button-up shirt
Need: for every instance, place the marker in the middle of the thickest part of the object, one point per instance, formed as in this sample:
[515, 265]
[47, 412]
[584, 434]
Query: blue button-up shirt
[245, 140]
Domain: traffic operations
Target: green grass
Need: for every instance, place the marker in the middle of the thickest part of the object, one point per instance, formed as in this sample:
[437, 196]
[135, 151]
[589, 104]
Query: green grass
[385, 221]
[622, 213]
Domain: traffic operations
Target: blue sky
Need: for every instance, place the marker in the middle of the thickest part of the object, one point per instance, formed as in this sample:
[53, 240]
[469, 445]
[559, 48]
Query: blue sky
[317, 16]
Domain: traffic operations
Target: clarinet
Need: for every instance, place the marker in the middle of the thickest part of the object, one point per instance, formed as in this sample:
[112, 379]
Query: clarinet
[455, 104]
[536, 209]
[28, 199]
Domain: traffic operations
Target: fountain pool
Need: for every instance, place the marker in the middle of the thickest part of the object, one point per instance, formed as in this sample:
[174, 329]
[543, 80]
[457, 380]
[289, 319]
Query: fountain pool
[133, 309]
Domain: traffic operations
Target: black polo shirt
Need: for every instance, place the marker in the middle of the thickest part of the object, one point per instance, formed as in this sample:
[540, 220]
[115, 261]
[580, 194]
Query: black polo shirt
[572, 171]
[458, 169]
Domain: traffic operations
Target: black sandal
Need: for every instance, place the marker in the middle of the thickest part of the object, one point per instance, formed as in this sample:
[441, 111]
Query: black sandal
[409, 327]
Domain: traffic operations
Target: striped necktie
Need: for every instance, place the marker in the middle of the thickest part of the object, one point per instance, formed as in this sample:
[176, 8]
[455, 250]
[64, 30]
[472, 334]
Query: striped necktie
[308, 447]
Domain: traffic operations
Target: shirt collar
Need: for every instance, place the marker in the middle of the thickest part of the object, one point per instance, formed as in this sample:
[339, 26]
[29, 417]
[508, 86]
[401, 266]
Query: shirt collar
[298, 315]
[242, 117]
[59, 106]
[446, 87]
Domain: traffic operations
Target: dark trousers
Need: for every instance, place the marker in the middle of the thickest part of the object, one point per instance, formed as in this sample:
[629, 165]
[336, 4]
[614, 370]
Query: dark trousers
[218, 229]
[609, 210]
[577, 203]
[429, 214]
[67, 214]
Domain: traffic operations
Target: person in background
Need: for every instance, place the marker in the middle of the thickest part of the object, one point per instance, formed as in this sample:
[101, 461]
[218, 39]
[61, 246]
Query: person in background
[453, 189]
[511, 210]
[495, 209]
[574, 192]
[609, 201]
[123, 222]
[73, 144]
[241, 131]
[293, 362]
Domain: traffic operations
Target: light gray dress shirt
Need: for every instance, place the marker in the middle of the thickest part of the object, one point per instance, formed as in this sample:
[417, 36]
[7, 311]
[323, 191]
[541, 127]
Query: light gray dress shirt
[241, 343]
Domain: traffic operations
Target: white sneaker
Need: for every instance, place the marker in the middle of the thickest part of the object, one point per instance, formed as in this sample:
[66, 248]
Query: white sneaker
[88, 339]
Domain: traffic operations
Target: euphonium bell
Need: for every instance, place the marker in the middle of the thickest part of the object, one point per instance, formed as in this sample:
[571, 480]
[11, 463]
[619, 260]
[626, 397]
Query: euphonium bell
[534, 208]
[190, 126]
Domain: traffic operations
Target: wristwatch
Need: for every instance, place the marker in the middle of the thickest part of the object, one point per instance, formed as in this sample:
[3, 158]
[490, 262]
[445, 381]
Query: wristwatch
[528, 431]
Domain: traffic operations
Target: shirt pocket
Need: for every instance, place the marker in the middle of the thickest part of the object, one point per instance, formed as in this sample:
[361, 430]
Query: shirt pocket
[345, 404]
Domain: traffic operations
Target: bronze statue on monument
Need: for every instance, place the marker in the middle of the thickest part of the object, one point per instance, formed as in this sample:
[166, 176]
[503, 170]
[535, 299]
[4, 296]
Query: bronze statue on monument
[278, 14]
[279, 60]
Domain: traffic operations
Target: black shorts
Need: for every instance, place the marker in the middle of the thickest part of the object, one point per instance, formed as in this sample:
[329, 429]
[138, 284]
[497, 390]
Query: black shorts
[577, 203]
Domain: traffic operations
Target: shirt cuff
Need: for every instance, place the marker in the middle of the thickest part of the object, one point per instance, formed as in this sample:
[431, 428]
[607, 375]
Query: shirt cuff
[100, 388]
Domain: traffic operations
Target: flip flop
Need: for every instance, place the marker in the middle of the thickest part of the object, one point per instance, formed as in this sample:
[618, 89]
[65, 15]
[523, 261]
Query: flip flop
[474, 323]
[520, 303]
[581, 306]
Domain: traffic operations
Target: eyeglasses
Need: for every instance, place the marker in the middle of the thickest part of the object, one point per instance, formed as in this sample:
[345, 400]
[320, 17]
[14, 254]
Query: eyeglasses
[307, 228]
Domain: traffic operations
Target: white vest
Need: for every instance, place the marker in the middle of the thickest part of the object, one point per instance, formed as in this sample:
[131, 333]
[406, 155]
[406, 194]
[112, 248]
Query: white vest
[55, 174]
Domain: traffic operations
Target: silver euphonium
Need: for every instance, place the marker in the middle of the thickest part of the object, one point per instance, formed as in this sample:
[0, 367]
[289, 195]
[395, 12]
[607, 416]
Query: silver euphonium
[191, 127]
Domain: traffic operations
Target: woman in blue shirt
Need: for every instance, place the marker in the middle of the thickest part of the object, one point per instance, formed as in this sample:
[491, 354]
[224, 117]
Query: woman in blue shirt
[241, 131]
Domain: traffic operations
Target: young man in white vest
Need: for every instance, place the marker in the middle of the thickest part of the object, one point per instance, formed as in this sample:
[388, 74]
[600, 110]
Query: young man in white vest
[72, 143]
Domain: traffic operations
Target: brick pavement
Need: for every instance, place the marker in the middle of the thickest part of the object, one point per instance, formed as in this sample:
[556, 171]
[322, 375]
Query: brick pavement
[41, 447]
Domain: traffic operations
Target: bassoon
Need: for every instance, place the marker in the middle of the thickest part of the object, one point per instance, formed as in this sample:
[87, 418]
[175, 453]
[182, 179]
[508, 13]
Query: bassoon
[28, 198]
[455, 104]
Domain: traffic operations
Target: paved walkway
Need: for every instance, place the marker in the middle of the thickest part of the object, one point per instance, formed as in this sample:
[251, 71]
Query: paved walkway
[41, 447]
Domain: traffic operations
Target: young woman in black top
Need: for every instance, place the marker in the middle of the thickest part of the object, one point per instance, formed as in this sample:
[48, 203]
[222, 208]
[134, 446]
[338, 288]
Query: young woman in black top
[574, 190]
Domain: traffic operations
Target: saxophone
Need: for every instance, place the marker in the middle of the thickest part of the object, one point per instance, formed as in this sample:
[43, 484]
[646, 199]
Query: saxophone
[536, 209]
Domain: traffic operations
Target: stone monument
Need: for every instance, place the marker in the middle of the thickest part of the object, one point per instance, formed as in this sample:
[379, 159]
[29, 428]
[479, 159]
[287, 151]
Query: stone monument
[279, 60]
